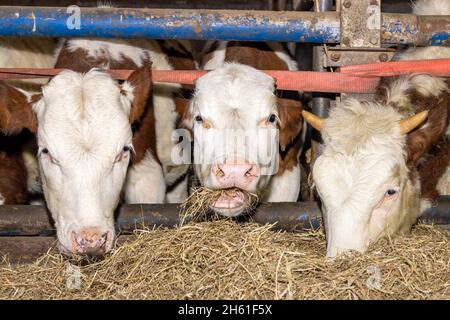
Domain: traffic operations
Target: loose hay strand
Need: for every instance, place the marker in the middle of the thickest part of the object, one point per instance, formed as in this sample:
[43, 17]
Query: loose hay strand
[227, 260]
[197, 206]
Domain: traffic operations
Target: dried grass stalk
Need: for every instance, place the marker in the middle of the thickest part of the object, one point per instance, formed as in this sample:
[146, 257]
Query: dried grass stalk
[227, 260]
[197, 206]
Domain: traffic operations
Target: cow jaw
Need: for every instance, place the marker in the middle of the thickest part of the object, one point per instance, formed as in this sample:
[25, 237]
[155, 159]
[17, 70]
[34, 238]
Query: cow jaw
[83, 129]
[231, 203]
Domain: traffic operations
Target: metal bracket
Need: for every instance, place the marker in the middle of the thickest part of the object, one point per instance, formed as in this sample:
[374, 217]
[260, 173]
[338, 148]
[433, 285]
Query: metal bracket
[360, 37]
[361, 23]
[338, 56]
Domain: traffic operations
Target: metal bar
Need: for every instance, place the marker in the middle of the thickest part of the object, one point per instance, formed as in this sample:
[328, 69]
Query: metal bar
[170, 24]
[26, 220]
[21, 250]
[285, 26]
[321, 101]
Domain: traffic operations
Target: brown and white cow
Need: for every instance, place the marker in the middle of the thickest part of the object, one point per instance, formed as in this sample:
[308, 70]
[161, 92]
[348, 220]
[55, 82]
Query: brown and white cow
[99, 138]
[233, 114]
[383, 161]
[19, 177]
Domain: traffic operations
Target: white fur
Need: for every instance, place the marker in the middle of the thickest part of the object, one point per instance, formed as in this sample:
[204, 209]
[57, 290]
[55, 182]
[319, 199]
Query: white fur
[145, 182]
[81, 175]
[283, 55]
[363, 157]
[286, 187]
[2, 199]
[179, 192]
[424, 84]
[432, 52]
[443, 186]
[218, 57]
[165, 110]
[32, 166]
[27, 53]
[425, 204]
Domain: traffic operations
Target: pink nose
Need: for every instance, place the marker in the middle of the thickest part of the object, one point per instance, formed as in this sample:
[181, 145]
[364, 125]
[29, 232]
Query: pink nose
[89, 241]
[235, 175]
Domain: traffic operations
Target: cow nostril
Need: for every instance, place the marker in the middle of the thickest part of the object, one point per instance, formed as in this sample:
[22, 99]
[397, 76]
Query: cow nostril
[218, 171]
[251, 172]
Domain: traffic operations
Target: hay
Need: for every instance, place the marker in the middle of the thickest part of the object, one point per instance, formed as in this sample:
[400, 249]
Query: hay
[226, 260]
[197, 206]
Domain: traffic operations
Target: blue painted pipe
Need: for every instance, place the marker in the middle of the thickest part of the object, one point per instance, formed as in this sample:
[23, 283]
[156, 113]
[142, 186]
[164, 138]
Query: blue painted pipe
[188, 24]
[169, 24]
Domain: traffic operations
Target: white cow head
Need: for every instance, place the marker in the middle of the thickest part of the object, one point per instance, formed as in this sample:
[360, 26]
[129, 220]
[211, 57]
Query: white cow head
[85, 139]
[235, 118]
[362, 176]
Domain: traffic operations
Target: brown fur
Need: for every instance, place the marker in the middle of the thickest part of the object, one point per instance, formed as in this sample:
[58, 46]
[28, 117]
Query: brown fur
[13, 173]
[433, 167]
[291, 123]
[142, 114]
[255, 54]
[428, 150]
[15, 111]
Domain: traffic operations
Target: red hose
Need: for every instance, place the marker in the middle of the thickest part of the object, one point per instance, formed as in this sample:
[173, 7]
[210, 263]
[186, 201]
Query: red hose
[350, 79]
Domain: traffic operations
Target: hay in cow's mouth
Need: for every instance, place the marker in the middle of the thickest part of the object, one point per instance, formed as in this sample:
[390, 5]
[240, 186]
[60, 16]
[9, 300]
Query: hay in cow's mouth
[227, 260]
[197, 207]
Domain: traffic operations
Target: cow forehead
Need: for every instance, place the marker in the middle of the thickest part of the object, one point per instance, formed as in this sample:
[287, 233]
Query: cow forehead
[236, 91]
[83, 110]
[363, 149]
[358, 128]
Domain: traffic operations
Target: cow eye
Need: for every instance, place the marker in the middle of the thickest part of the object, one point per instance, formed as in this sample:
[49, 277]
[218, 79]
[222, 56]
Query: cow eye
[198, 119]
[45, 151]
[126, 148]
[272, 118]
[390, 192]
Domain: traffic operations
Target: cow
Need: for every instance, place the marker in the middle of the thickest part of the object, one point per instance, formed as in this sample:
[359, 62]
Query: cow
[99, 139]
[384, 161]
[234, 97]
[19, 176]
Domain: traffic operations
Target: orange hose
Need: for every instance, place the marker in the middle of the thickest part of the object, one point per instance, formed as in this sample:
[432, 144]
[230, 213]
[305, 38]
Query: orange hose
[436, 67]
[350, 79]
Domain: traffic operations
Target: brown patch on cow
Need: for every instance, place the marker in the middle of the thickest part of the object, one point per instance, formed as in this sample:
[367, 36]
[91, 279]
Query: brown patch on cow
[142, 115]
[144, 137]
[141, 81]
[13, 179]
[15, 111]
[255, 54]
[180, 58]
[208, 54]
[182, 108]
[291, 123]
[13, 173]
[421, 140]
[433, 167]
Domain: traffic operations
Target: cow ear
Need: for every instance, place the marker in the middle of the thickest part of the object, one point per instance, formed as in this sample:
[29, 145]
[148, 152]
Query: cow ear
[16, 112]
[137, 89]
[291, 120]
[422, 139]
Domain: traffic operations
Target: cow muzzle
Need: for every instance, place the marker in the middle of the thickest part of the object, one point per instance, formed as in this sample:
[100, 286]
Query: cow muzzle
[91, 242]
